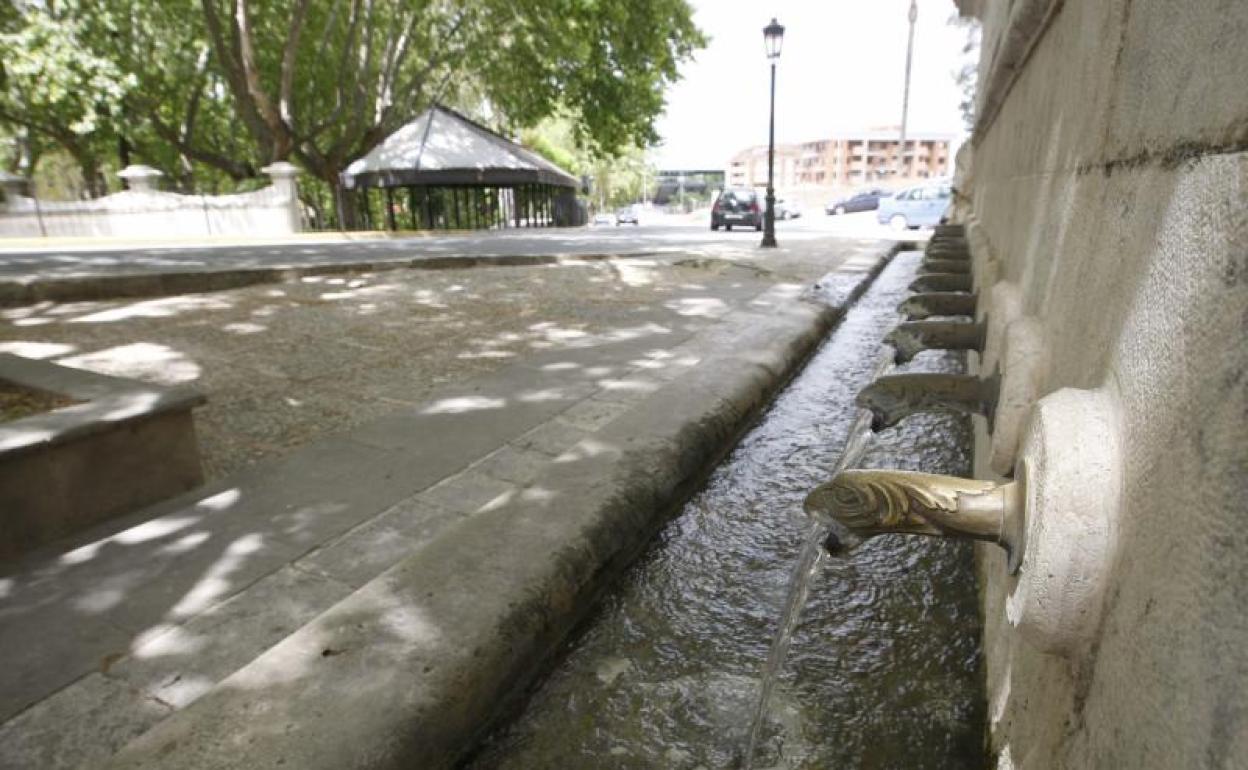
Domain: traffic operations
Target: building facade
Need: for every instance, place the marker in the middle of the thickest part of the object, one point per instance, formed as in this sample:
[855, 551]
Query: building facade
[748, 168]
[846, 160]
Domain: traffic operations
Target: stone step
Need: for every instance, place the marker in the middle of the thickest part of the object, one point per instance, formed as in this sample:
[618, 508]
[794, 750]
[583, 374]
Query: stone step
[125, 624]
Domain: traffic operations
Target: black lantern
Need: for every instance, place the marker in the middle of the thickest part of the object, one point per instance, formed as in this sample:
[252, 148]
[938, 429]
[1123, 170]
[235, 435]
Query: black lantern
[773, 36]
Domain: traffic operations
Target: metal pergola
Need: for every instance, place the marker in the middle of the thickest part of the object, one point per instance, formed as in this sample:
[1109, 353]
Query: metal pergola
[445, 171]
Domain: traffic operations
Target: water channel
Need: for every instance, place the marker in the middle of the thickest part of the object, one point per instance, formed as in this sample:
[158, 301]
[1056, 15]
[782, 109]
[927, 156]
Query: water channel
[883, 667]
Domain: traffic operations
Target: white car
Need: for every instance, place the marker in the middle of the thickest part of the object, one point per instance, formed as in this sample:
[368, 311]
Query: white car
[787, 210]
[603, 218]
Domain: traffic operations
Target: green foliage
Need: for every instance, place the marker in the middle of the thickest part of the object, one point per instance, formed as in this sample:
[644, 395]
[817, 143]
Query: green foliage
[615, 180]
[967, 74]
[608, 63]
[210, 90]
[50, 76]
[54, 86]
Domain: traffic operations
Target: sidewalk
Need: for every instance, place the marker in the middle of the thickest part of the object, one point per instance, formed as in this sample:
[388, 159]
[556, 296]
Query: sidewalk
[375, 597]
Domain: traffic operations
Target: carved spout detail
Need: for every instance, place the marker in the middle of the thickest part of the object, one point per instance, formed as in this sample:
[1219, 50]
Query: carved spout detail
[957, 248]
[877, 502]
[936, 265]
[894, 397]
[913, 337]
[941, 282]
[921, 306]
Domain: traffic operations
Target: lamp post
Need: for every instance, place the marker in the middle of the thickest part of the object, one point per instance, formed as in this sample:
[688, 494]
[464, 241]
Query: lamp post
[773, 36]
[905, 95]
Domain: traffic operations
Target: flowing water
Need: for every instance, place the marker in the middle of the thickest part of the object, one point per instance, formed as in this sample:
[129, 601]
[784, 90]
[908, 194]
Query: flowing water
[883, 668]
[808, 560]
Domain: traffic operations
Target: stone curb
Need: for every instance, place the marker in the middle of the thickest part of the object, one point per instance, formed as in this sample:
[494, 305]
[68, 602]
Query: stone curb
[416, 666]
[15, 293]
[106, 401]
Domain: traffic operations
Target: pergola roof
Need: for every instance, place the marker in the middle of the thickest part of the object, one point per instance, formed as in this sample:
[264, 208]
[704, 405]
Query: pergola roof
[442, 147]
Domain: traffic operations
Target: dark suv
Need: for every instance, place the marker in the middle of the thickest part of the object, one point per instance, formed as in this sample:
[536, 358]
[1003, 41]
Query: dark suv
[737, 207]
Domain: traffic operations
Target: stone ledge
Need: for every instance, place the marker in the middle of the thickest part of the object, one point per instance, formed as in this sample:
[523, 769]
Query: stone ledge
[107, 401]
[127, 445]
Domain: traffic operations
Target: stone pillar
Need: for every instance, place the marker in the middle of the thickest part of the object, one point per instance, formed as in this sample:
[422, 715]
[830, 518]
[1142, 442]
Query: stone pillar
[13, 187]
[283, 175]
[140, 178]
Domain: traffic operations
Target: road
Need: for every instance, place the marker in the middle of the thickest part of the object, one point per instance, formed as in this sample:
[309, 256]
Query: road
[656, 233]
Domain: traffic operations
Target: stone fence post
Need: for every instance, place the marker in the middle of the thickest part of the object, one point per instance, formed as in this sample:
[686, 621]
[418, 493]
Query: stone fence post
[140, 178]
[13, 186]
[283, 175]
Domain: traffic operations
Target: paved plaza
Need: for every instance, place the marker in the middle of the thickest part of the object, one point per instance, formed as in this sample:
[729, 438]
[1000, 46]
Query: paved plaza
[285, 363]
[372, 437]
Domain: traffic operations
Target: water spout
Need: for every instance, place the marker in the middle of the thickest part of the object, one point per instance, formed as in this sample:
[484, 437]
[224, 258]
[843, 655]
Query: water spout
[866, 503]
[938, 303]
[894, 397]
[948, 248]
[911, 338]
[941, 265]
[942, 282]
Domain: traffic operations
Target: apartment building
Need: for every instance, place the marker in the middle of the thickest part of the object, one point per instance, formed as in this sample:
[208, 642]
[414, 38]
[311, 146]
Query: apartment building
[748, 168]
[846, 160]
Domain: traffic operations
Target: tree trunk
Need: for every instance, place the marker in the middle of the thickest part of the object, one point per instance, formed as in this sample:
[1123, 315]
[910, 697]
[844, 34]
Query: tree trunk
[93, 183]
[123, 151]
[344, 203]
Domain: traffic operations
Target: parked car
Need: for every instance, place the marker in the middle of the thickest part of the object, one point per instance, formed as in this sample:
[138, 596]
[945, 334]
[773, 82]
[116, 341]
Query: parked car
[603, 218]
[626, 216]
[739, 206]
[866, 200]
[786, 209]
[920, 206]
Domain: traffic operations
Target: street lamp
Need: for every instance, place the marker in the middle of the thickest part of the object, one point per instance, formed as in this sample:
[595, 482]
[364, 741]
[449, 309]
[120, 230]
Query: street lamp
[905, 95]
[773, 36]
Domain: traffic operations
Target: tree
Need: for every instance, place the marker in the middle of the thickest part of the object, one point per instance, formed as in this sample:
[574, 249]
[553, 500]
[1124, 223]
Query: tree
[967, 74]
[230, 85]
[112, 78]
[324, 83]
[54, 89]
[616, 179]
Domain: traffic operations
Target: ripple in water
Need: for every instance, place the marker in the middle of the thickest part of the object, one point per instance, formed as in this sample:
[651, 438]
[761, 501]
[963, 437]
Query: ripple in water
[882, 669]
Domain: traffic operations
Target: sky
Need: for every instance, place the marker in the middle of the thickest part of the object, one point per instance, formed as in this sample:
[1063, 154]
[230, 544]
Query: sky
[842, 66]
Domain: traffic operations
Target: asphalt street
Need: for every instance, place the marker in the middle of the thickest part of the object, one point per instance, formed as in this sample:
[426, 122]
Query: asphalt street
[655, 234]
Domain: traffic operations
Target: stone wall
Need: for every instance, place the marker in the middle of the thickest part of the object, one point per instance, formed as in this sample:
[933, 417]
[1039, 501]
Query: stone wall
[1110, 178]
[145, 212]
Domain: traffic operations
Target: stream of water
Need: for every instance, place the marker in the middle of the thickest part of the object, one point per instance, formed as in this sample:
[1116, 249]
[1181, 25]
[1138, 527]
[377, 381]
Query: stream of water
[883, 661]
[860, 435]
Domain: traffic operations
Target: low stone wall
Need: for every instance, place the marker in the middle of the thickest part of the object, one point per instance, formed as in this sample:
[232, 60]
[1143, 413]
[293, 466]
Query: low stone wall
[126, 445]
[143, 211]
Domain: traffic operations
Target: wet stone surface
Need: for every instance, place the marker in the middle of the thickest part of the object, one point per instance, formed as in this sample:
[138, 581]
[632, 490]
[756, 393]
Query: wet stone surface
[883, 670]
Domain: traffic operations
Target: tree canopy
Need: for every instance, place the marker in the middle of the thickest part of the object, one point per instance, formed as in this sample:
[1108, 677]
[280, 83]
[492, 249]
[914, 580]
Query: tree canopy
[222, 87]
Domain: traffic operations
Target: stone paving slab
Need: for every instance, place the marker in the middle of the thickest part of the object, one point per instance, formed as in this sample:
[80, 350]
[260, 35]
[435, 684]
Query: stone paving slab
[144, 596]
